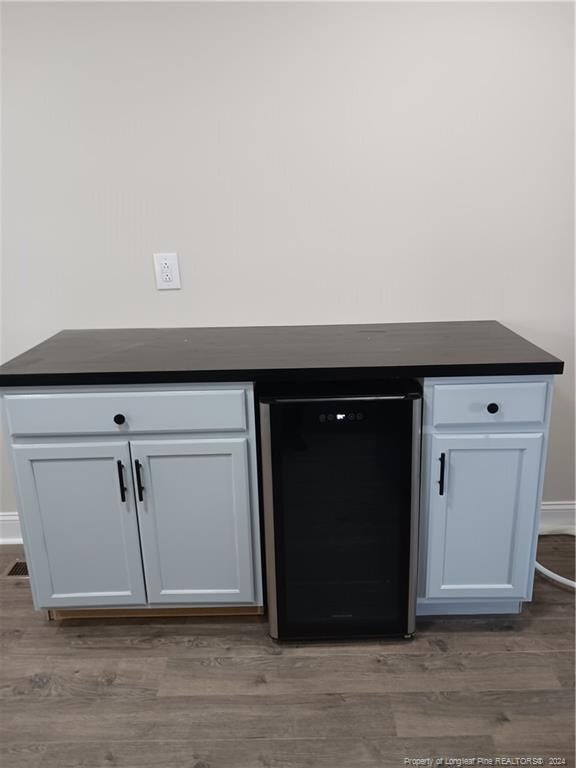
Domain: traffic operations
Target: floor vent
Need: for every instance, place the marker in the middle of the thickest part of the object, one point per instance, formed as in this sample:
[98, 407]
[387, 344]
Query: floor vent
[19, 568]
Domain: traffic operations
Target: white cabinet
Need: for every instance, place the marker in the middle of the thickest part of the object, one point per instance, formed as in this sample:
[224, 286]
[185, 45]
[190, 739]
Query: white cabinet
[82, 531]
[483, 457]
[195, 521]
[138, 497]
[186, 529]
[481, 515]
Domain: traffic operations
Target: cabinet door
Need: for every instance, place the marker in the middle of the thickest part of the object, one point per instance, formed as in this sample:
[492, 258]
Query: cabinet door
[481, 527]
[194, 513]
[82, 537]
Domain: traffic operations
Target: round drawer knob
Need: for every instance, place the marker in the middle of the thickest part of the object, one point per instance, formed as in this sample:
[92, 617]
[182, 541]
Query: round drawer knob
[492, 407]
[120, 418]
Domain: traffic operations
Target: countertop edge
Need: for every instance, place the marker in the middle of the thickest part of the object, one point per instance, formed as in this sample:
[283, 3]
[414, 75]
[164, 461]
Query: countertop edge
[282, 375]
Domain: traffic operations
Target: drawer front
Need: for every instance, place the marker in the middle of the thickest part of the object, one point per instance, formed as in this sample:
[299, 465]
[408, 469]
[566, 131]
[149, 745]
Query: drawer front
[482, 404]
[93, 413]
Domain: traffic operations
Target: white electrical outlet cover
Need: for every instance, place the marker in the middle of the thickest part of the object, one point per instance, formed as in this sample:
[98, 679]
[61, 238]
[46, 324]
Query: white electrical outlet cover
[167, 271]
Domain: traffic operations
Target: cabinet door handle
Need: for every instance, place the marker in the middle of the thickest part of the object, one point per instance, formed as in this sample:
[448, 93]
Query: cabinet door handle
[442, 472]
[139, 480]
[121, 480]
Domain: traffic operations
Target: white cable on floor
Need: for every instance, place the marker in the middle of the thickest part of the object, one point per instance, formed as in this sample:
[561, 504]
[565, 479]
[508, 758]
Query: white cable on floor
[566, 530]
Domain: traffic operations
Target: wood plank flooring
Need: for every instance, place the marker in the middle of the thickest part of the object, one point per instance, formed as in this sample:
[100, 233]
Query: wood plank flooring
[219, 693]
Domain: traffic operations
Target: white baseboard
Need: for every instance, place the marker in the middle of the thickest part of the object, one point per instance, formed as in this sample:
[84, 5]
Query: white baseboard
[558, 515]
[10, 528]
[555, 515]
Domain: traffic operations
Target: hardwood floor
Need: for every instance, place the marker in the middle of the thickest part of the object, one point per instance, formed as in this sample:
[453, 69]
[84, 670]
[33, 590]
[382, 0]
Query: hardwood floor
[219, 693]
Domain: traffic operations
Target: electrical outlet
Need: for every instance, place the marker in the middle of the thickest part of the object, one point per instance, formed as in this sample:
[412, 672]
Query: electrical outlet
[167, 271]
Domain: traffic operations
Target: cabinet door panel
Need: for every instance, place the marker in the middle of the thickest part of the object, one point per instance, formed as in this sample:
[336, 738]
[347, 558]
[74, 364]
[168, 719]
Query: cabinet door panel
[82, 538]
[195, 520]
[481, 528]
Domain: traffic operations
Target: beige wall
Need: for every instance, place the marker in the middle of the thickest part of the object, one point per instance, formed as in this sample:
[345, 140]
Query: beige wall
[311, 163]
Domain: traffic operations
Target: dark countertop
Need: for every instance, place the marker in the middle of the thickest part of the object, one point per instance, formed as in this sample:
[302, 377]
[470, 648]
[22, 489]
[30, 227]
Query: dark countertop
[278, 353]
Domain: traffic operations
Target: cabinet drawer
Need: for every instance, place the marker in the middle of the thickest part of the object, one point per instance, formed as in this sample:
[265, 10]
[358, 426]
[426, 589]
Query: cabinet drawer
[455, 404]
[93, 413]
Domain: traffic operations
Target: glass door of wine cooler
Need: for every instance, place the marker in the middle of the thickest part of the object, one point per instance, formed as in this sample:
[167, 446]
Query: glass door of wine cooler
[341, 504]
